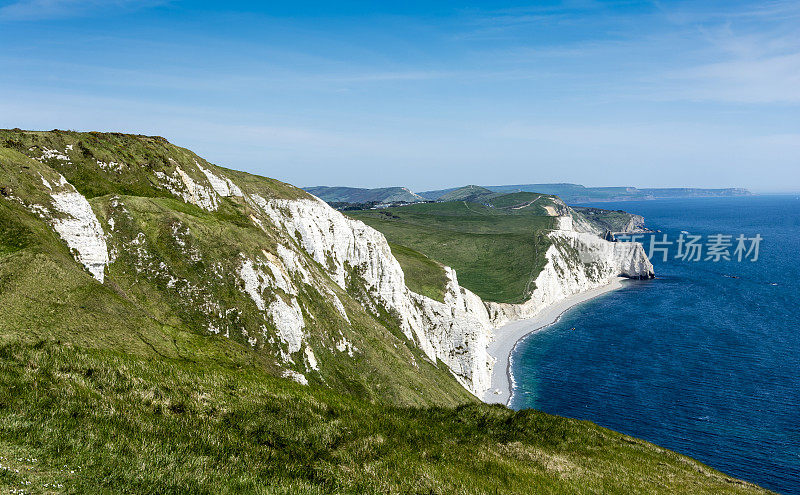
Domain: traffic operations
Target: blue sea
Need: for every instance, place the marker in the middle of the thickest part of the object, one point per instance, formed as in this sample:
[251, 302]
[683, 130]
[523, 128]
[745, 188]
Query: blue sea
[704, 360]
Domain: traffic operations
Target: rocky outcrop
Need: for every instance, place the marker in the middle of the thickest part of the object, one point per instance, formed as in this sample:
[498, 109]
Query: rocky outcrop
[70, 215]
[80, 229]
[635, 225]
[606, 223]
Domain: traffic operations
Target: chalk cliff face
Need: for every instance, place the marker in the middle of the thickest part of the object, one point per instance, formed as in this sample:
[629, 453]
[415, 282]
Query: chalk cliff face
[576, 262]
[457, 331]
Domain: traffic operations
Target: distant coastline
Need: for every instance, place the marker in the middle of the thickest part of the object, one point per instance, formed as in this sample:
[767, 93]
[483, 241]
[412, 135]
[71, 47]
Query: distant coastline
[569, 193]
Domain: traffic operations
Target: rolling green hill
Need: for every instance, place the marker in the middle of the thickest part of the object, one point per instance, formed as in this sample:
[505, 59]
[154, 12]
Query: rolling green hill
[158, 365]
[473, 194]
[493, 246]
[361, 195]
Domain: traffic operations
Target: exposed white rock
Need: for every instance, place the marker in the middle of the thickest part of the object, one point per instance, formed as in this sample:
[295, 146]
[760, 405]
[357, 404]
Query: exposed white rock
[222, 185]
[288, 320]
[337, 303]
[280, 275]
[459, 330]
[45, 182]
[294, 264]
[197, 193]
[564, 222]
[254, 282]
[48, 154]
[293, 375]
[250, 340]
[77, 224]
[182, 185]
[311, 358]
[454, 331]
[111, 166]
[580, 224]
[347, 247]
[345, 345]
[576, 262]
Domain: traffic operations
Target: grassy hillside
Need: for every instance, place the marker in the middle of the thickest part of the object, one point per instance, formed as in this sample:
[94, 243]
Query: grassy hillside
[493, 247]
[93, 421]
[423, 275]
[473, 194]
[174, 287]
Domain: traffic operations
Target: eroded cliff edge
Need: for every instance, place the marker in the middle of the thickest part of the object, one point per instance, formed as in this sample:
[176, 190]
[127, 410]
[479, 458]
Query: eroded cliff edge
[319, 253]
[457, 331]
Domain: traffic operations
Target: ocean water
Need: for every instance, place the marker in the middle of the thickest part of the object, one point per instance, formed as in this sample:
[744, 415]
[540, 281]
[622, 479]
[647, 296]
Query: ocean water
[696, 360]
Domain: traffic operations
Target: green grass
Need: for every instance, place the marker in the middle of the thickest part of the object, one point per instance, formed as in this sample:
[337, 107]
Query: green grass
[97, 421]
[471, 193]
[423, 275]
[497, 251]
[360, 195]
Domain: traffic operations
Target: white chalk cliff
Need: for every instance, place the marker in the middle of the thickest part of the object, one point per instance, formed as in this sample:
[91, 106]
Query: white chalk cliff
[576, 262]
[455, 332]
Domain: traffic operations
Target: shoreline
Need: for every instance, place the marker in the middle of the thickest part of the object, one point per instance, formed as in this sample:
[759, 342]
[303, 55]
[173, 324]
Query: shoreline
[509, 335]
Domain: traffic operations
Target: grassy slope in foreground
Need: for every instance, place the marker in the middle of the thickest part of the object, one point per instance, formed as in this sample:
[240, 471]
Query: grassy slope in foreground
[494, 249]
[106, 422]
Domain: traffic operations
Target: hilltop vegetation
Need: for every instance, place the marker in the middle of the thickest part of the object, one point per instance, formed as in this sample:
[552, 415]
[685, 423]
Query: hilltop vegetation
[423, 275]
[493, 246]
[472, 194]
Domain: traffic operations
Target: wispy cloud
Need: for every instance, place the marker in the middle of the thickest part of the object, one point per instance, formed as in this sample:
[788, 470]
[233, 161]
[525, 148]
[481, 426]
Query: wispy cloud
[770, 79]
[33, 10]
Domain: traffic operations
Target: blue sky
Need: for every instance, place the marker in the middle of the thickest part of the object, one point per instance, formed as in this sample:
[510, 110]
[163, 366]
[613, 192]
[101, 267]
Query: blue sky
[367, 94]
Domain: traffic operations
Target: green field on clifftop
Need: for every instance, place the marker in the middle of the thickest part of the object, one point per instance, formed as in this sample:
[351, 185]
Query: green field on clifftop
[496, 248]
